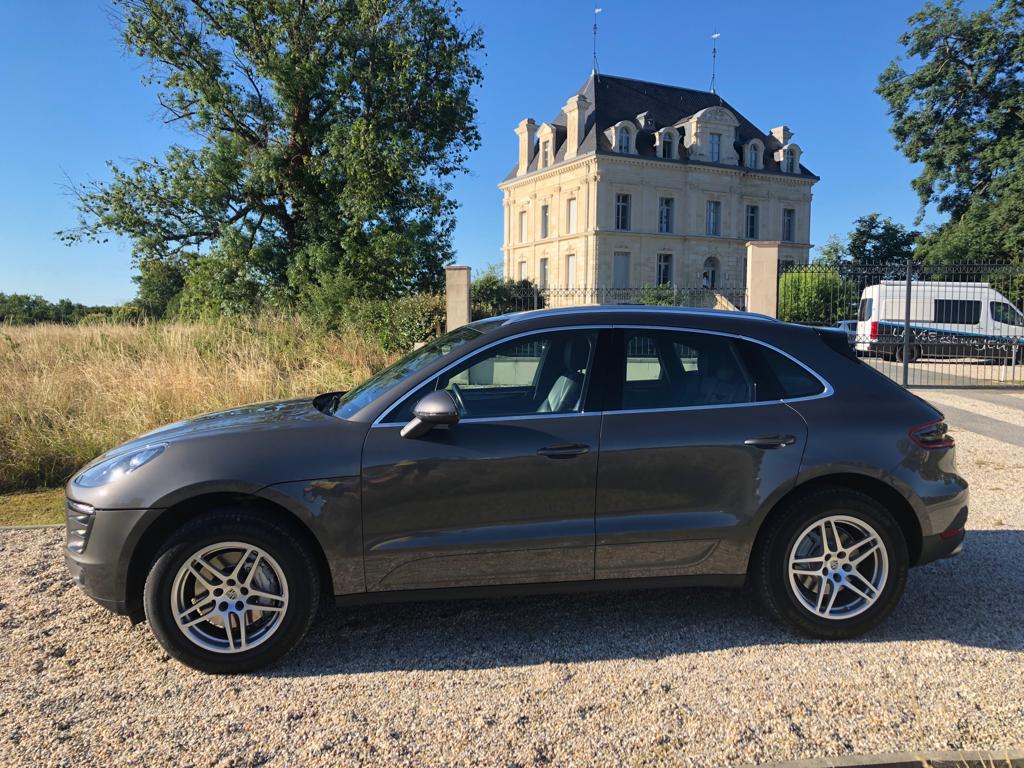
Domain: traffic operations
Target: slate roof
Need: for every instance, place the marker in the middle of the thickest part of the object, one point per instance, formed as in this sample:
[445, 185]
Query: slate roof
[611, 99]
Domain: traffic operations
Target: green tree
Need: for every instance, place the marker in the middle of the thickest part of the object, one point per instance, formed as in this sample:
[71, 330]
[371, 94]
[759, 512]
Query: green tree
[494, 295]
[960, 114]
[816, 296]
[875, 245]
[324, 134]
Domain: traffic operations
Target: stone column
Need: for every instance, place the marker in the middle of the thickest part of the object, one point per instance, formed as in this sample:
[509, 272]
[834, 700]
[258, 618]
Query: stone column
[762, 276]
[457, 298]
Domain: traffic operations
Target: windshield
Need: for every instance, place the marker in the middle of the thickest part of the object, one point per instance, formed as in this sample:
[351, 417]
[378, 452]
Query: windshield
[356, 399]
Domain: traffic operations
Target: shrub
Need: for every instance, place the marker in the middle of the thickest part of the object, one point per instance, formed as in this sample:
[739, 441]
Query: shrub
[397, 324]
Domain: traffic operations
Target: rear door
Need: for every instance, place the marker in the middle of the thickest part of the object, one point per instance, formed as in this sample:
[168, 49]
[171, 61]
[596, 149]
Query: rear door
[696, 439]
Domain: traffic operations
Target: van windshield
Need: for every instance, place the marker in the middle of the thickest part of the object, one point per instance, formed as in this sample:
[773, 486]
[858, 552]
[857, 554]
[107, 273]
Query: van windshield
[1005, 313]
[356, 399]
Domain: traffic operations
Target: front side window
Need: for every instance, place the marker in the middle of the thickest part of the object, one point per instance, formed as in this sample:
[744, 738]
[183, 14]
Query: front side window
[753, 222]
[1005, 313]
[570, 216]
[716, 147]
[664, 269]
[788, 224]
[623, 203]
[957, 311]
[713, 218]
[620, 269]
[541, 373]
[542, 274]
[543, 221]
[666, 212]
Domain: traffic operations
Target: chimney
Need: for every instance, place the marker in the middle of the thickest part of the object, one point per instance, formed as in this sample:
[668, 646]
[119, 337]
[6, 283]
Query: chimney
[575, 119]
[527, 133]
[782, 134]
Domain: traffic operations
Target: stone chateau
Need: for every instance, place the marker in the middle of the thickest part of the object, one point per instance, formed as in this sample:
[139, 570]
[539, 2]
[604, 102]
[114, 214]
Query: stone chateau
[638, 184]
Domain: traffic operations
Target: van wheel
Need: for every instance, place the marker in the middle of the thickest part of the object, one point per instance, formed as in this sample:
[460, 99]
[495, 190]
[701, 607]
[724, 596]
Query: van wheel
[832, 564]
[913, 353]
[231, 591]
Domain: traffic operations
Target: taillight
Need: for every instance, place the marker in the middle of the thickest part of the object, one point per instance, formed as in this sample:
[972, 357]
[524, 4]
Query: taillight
[934, 434]
[874, 330]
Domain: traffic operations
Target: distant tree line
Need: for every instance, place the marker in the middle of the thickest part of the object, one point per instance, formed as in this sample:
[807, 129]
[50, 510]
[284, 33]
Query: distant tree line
[23, 309]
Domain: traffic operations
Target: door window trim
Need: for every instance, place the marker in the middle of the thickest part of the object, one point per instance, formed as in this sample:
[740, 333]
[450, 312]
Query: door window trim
[828, 391]
[378, 422]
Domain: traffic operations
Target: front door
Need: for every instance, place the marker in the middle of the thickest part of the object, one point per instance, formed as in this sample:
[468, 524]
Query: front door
[695, 440]
[504, 496]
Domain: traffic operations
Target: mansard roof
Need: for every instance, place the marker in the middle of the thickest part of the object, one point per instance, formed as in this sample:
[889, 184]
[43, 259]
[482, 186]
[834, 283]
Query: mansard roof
[611, 99]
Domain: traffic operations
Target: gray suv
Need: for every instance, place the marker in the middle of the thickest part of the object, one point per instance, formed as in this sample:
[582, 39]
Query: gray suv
[557, 450]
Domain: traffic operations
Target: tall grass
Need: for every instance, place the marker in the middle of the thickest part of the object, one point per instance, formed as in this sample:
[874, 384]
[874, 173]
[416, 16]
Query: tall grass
[68, 393]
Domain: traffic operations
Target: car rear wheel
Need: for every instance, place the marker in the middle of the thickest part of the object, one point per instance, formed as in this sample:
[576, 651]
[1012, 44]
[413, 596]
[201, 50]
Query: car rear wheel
[833, 564]
[231, 591]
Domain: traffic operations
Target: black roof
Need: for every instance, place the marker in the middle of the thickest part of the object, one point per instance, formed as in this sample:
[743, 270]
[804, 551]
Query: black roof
[611, 99]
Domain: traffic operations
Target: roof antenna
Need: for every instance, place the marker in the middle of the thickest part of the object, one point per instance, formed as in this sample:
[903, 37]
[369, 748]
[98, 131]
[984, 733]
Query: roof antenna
[714, 58]
[596, 11]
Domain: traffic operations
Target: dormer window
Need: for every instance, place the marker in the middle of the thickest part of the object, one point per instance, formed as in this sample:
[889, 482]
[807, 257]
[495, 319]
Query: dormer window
[790, 161]
[666, 147]
[623, 141]
[545, 154]
[666, 143]
[754, 156]
[716, 148]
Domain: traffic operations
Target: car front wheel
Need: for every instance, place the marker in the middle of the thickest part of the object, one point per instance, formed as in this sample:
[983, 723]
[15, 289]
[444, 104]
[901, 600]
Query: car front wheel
[231, 591]
[833, 564]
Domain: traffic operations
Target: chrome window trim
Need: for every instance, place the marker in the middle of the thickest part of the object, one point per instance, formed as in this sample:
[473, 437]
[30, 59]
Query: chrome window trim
[387, 411]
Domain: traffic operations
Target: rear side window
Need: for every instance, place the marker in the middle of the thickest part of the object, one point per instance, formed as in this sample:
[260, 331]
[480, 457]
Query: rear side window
[777, 376]
[864, 313]
[957, 311]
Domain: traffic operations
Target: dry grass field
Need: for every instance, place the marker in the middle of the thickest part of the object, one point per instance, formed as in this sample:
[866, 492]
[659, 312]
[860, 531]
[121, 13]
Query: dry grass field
[72, 392]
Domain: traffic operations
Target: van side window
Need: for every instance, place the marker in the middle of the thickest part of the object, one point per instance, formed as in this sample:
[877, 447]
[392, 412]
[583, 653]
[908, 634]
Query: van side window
[1005, 313]
[776, 376]
[957, 311]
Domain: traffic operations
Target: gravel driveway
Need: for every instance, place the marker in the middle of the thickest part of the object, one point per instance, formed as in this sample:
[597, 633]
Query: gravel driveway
[695, 677]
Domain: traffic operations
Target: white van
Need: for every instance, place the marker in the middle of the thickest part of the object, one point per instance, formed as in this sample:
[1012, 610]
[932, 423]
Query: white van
[947, 319]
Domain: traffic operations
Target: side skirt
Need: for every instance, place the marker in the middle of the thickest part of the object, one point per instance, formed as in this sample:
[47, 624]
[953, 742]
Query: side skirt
[730, 581]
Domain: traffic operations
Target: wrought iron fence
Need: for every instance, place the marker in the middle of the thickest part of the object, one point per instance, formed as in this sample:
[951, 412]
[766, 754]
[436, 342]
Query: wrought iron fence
[950, 325]
[524, 296]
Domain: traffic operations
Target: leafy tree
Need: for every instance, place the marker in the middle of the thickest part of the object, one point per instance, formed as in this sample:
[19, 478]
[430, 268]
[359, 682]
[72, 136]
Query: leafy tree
[323, 135]
[960, 114]
[160, 283]
[494, 295]
[877, 248]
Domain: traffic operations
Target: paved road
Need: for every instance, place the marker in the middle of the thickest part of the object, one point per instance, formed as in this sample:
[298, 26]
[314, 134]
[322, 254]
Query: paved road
[972, 409]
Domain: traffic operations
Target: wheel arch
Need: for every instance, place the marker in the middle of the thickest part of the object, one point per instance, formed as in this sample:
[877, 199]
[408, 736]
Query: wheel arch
[182, 512]
[879, 490]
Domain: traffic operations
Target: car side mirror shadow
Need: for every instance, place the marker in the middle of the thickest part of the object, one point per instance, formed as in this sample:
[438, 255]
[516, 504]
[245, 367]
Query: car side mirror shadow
[432, 410]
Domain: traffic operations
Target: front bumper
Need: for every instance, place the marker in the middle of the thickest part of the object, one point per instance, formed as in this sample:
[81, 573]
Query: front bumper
[98, 562]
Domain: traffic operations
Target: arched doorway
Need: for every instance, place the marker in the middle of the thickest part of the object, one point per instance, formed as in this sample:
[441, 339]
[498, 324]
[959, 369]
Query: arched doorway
[709, 275]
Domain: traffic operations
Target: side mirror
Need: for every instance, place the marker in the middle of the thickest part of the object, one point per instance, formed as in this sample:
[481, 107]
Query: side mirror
[436, 408]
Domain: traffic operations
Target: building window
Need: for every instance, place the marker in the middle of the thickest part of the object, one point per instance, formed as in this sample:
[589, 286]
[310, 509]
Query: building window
[522, 270]
[545, 154]
[570, 216]
[666, 146]
[790, 161]
[623, 144]
[542, 274]
[666, 211]
[622, 206]
[620, 270]
[753, 156]
[570, 271]
[788, 224]
[543, 221]
[522, 226]
[753, 222]
[713, 218]
[664, 269]
[709, 276]
[716, 147]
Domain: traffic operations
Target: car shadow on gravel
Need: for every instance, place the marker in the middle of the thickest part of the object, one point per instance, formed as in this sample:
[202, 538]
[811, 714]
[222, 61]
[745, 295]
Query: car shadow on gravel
[976, 599]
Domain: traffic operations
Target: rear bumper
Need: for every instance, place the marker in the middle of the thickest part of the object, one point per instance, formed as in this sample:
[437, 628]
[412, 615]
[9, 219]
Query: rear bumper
[949, 543]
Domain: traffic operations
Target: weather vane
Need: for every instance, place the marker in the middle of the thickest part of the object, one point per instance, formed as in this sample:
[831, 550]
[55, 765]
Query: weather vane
[714, 58]
[596, 11]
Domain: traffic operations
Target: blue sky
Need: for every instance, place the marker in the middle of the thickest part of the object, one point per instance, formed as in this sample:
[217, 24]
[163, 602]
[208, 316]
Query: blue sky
[73, 99]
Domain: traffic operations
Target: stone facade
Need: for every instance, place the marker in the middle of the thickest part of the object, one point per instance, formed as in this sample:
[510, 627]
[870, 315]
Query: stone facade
[637, 184]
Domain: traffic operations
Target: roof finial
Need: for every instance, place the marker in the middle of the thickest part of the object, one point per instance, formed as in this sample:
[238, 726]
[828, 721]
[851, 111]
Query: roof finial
[714, 58]
[596, 11]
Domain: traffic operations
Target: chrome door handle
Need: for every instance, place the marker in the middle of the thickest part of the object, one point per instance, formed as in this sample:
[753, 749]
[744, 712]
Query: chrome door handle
[770, 441]
[564, 451]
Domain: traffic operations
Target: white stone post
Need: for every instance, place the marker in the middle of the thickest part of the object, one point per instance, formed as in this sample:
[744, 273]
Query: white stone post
[763, 277]
[457, 296]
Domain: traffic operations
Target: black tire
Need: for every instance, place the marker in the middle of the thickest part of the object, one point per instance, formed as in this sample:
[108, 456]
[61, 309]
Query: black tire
[278, 540]
[914, 353]
[770, 563]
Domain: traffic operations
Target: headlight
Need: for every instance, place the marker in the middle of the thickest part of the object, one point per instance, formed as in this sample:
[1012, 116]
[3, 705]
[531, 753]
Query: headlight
[110, 470]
